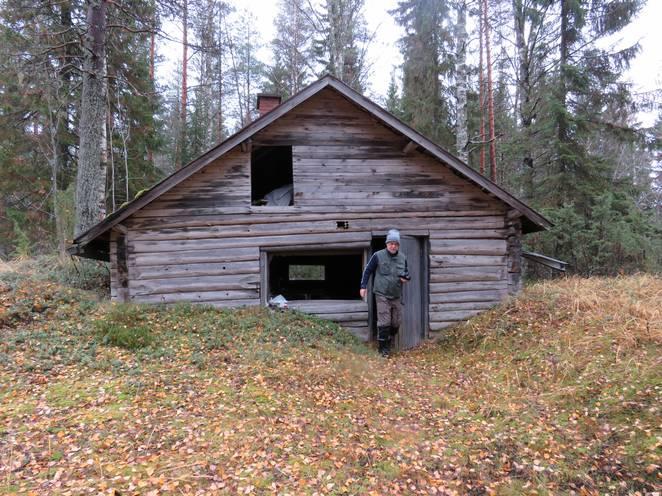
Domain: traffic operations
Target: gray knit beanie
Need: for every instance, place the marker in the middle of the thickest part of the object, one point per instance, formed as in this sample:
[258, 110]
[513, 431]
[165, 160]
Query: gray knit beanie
[393, 236]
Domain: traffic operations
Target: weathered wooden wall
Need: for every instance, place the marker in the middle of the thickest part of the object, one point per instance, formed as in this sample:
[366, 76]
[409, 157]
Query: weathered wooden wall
[514, 239]
[201, 241]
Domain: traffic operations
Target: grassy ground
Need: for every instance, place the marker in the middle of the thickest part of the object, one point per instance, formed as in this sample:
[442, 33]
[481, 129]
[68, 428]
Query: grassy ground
[557, 392]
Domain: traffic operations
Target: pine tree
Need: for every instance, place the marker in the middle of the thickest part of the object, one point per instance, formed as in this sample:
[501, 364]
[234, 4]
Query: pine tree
[38, 105]
[535, 31]
[591, 112]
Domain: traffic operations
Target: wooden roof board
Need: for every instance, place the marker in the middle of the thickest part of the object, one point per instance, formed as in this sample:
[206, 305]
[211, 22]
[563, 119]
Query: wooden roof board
[550, 262]
[533, 220]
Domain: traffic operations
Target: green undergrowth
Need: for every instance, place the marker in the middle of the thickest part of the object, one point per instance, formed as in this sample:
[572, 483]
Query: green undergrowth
[258, 332]
[61, 327]
[126, 326]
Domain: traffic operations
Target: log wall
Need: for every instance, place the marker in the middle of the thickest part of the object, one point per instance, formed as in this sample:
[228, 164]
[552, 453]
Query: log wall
[514, 239]
[201, 241]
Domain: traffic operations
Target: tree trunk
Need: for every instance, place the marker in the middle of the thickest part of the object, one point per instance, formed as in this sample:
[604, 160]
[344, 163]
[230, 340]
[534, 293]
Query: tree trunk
[152, 48]
[152, 62]
[55, 160]
[490, 98]
[562, 124]
[182, 109]
[91, 175]
[66, 73]
[481, 92]
[523, 96]
[219, 127]
[247, 81]
[461, 133]
[109, 147]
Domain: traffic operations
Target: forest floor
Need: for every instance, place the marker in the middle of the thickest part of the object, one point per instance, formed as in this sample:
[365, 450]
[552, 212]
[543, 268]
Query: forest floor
[555, 392]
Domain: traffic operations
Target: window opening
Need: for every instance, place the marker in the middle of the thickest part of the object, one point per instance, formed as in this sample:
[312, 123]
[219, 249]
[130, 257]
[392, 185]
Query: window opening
[315, 276]
[271, 176]
[306, 272]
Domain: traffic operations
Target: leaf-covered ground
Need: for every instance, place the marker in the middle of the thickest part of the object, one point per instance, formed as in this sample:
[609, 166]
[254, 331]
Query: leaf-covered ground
[557, 392]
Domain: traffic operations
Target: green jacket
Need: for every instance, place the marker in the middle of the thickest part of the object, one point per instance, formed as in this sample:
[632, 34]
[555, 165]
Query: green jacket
[388, 269]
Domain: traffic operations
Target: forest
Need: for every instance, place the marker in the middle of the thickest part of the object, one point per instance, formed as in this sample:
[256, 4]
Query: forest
[528, 92]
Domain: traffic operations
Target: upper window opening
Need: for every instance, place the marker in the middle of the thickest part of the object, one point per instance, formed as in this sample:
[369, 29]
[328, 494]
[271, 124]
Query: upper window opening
[271, 176]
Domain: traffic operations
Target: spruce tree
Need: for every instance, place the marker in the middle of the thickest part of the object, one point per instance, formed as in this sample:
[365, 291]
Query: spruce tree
[341, 41]
[591, 113]
[39, 101]
[44, 53]
[393, 100]
[424, 47]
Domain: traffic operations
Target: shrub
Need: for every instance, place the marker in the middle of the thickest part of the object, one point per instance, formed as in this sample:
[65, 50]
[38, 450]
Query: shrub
[124, 326]
[129, 337]
[77, 273]
[85, 274]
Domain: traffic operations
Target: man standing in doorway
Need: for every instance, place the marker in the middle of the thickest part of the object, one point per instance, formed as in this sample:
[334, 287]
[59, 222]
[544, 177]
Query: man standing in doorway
[390, 269]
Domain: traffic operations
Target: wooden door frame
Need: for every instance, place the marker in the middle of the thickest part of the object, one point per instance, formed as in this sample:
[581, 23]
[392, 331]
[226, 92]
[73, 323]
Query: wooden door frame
[425, 285]
[424, 241]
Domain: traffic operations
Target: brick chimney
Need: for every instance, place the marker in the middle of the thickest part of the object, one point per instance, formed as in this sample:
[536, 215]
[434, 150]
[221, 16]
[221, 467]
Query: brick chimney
[266, 103]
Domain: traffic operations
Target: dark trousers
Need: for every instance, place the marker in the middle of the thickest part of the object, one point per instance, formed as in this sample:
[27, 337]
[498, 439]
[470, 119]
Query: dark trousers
[389, 312]
[389, 316]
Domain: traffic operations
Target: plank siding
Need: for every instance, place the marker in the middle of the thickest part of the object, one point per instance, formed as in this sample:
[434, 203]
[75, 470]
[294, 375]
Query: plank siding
[201, 240]
[120, 278]
[114, 276]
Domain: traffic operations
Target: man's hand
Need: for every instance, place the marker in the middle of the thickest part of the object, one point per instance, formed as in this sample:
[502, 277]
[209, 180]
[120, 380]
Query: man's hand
[403, 280]
[362, 292]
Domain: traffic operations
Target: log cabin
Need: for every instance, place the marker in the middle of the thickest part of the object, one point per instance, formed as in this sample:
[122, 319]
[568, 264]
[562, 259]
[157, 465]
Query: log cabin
[294, 204]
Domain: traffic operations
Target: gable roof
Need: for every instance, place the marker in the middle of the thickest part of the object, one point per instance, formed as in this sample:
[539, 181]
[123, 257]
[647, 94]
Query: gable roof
[89, 242]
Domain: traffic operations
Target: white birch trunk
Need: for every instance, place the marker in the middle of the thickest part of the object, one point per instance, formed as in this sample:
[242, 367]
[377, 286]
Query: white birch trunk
[461, 133]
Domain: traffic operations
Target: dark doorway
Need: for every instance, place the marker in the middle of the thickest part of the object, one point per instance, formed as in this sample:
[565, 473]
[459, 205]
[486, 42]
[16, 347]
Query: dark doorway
[414, 294]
